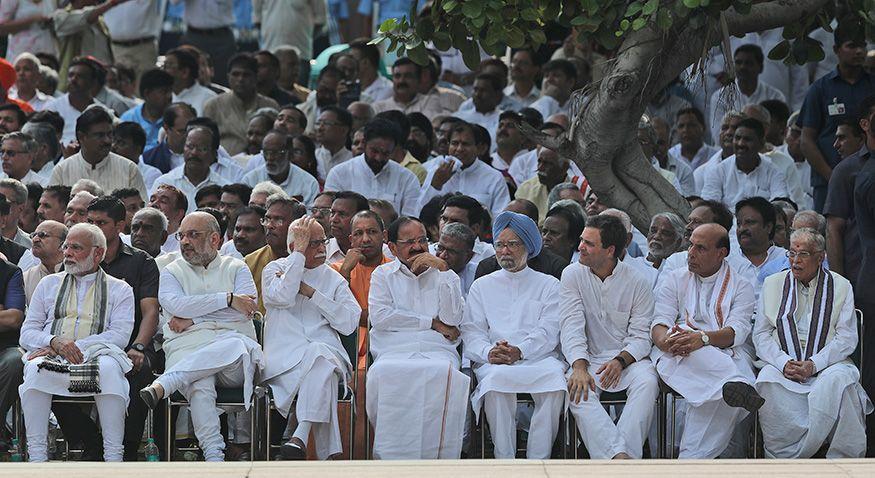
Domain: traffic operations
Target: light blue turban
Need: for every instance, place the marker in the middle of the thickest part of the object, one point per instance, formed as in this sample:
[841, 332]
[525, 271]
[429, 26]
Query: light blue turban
[523, 226]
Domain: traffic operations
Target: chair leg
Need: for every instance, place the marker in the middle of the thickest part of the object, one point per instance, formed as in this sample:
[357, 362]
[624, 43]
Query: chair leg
[673, 427]
[169, 439]
[352, 419]
[660, 426]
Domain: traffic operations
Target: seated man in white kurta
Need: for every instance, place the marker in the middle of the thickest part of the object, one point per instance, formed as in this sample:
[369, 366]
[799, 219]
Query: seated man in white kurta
[511, 335]
[78, 323]
[210, 340]
[308, 304]
[417, 397]
[700, 331]
[607, 306]
[805, 331]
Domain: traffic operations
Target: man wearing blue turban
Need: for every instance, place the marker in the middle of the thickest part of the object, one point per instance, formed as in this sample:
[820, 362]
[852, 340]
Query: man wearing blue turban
[511, 335]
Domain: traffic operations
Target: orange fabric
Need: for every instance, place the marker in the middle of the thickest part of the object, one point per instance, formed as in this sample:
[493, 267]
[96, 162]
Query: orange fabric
[7, 74]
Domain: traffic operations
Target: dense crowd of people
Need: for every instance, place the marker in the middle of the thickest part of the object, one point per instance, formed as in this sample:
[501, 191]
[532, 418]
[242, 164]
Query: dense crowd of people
[199, 221]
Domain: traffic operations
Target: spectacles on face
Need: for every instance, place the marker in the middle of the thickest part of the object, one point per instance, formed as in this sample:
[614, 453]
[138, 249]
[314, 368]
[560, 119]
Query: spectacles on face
[75, 247]
[318, 242]
[512, 245]
[196, 149]
[271, 153]
[277, 221]
[441, 249]
[40, 234]
[191, 235]
[11, 152]
[423, 241]
[321, 211]
[800, 254]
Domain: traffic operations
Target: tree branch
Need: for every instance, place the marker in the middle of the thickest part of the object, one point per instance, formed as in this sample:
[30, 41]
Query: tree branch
[774, 14]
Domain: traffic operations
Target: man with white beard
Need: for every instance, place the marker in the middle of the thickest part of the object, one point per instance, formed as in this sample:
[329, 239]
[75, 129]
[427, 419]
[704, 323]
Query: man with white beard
[700, 332]
[78, 323]
[210, 340]
[664, 239]
[415, 307]
[805, 332]
[606, 311]
[511, 336]
[308, 304]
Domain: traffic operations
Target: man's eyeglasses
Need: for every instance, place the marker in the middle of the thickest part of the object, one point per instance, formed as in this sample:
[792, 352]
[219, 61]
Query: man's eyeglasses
[192, 235]
[409, 242]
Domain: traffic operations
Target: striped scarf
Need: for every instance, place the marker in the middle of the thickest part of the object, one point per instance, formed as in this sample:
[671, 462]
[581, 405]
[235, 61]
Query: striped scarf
[720, 298]
[821, 312]
[84, 377]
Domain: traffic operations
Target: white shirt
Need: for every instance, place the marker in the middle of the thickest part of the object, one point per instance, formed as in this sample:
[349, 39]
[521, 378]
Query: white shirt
[727, 184]
[29, 177]
[716, 110]
[500, 164]
[520, 307]
[701, 172]
[36, 332]
[686, 182]
[327, 161]
[38, 102]
[178, 179]
[548, 106]
[700, 158]
[379, 90]
[785, 164]
[401, 307]
[207, 14]
[134, 20]
[298, 182]
[229, 249]
[745, 268]
[62, 106]
[150, 173]
[482, 250]
[600, 319]
[525, 166]
[293, 321]
[511, 92]
[479, 180]
[226, 167]
[486, 120]
[111, 173]
[195, 95]
[394, 183]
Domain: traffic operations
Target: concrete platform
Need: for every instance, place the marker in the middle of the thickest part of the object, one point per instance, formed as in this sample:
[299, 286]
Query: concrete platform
[479, 468]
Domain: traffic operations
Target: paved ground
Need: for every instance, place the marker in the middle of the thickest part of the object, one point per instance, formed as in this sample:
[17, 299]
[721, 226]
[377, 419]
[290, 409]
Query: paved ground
[455, 469]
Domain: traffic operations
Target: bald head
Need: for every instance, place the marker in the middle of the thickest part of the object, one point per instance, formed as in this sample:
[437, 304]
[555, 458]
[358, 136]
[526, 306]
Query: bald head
[558, 118]
[201, 238]
[709, 246]
[524, 207]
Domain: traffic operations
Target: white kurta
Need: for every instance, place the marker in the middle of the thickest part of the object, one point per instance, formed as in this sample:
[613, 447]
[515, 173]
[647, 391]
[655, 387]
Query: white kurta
[298, 183]
[479, 180]
[745, 268]
[700, 376]
[600, 319]
[724, 182]
[413, 361]
[798, 418]
[394, 183]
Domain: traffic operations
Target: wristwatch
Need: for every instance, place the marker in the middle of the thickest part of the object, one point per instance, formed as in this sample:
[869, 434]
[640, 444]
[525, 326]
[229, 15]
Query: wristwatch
[138, 347]
[705, 339]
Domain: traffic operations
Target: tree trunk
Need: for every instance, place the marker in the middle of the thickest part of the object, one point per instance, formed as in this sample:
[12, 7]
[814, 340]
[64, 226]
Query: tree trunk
[603, 140]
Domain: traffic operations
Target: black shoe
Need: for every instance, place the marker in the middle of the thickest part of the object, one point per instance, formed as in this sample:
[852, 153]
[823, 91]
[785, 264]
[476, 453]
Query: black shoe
[150, 396]
[292, 451]
[742, 395]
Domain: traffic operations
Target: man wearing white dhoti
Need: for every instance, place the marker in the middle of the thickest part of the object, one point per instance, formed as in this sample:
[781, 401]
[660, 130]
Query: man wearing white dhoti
[511, 335]
[78, 323]
[308, 304]
[210, 340]
[805, 331]
[606, 310]
[417, 397]
[701, 324]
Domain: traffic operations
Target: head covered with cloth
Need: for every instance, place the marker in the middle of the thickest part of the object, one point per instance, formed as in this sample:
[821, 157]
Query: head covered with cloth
[517, 239]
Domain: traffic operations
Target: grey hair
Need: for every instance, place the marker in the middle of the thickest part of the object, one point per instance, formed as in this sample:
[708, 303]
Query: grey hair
[151, 213]
[267, 112]
[646, 125]
[569, 203]
[557, 191]
[461, 232]
[808, 234]
[49, 75]
[816, 218]
[87, 185]
[29, 57]
[732, 114]
[287, 48]
[622, 216]
[767, 117]
[283, 199]
[61, 227]
[27, 141]
[94, 232]
[43, 133]
[676, 223]
[17, 187]
[269, 188]
[793, 118]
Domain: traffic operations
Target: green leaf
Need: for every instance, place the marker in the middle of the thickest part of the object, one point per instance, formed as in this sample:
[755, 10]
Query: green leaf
[515, 38]
[691, 4]
[450, 5]
[470, 54]
[633, 9]
[650, 7]
[624, 25]
[639, 23]
[442, 41]
[478, 22]
[799, 52]
[425, 27]
[472, 9]
[388, 25]
[663, 19]
[529, 14]
[704, 3]
[377, 40]
[459, 34]
[538, 38]
[579, 20]
[815, 50]
[590, 6]
[494, 34]
[780, 51]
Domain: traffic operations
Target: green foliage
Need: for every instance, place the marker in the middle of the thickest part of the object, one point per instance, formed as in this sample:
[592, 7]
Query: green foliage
[497, 24]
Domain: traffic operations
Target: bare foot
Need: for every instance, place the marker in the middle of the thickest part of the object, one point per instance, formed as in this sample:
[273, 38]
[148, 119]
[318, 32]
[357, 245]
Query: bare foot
[621, 456]
[159, 389]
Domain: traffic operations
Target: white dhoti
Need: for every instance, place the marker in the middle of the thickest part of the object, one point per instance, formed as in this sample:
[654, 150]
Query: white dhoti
[497, 389]
[314, 381]
[231, 360]
[36, 402]
[799, 418]
[416, 402]
[709, 422]
[603, 438]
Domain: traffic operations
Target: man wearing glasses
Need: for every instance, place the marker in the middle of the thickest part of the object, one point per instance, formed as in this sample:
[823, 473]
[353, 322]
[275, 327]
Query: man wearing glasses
[200, 152]
[278, 168]
[47, 240]
[415, 307]
[333, 128]
[210, 340]
[94, 160]
[281, 211]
